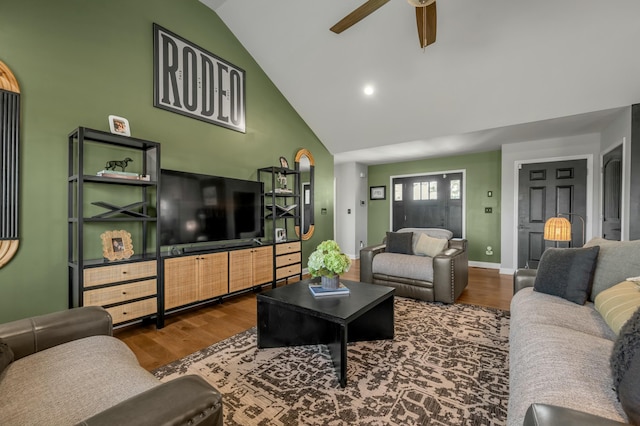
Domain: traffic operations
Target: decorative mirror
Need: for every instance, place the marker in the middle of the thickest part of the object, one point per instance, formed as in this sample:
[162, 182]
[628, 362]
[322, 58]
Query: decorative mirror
[305, 164]
[9, 151]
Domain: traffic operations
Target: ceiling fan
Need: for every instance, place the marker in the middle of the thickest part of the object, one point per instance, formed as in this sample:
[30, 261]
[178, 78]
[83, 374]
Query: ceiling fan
[425, 18]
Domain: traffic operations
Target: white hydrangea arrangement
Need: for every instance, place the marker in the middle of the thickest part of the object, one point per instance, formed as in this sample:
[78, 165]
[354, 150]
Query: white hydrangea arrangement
[328, 260]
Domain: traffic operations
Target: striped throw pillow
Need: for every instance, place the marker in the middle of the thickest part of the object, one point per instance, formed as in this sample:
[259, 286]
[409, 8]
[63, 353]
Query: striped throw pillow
[618, 303]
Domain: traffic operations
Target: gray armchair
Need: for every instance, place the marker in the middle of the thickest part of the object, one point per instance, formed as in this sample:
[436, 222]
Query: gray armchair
[440, 278]
[68, 369]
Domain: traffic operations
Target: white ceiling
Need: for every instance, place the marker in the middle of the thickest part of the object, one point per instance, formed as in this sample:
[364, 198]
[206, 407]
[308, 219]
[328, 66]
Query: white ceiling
[500, 71]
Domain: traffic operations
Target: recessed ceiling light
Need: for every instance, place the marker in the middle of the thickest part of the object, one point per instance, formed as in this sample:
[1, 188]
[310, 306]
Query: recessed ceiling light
[368, 90]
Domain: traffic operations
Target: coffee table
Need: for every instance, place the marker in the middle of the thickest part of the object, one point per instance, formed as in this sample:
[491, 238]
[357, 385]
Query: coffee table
[292, 316]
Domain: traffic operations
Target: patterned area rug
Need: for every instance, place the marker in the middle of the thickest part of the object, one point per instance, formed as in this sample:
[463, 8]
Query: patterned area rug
[447, 365]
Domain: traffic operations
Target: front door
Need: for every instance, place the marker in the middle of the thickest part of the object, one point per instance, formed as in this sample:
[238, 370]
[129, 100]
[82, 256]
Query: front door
[546, 190]
[612, 194]
[428, 201]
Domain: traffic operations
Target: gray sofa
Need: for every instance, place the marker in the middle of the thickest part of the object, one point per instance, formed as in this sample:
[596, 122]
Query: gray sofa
[560, 351]
[68, 369]
[440, 278]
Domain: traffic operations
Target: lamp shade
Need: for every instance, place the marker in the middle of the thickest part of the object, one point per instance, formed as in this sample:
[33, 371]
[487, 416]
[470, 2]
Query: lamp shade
[557, 229]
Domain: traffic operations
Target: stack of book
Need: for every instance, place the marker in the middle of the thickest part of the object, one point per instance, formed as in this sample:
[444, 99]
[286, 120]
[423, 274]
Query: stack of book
[283, 191]
[318, 291]
[121, 175]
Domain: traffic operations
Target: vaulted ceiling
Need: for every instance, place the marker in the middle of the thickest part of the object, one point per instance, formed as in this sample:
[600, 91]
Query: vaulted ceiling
[500, 71]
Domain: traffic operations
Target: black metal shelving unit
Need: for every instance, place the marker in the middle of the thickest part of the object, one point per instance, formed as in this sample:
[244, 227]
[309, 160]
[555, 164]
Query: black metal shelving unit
[140, 216]
[278, 214]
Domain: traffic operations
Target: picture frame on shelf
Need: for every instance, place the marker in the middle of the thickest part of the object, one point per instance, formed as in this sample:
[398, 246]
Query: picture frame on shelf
[284, 163]
[281, 235]
[119, 125]
[116, 245]
[378, 192]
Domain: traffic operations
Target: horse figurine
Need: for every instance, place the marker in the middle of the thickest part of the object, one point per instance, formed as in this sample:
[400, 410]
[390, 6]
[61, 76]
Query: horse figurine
[117, 163]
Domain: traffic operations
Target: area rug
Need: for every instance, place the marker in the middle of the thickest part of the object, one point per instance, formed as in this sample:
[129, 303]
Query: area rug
[447, 365]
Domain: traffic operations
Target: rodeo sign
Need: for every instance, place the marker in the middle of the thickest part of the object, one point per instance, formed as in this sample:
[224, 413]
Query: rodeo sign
[189, 80]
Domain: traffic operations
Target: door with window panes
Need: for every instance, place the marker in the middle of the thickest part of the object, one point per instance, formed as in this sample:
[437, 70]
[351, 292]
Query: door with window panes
[428, 201]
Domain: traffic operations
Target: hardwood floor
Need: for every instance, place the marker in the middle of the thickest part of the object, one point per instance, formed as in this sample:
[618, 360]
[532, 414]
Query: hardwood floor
[190, 331]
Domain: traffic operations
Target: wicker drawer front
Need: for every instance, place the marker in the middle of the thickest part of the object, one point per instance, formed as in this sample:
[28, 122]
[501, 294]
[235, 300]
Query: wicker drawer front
[116, 273]
[133, 310]
[288, 259]
[119, 294]
[287, 248]
[288, 271]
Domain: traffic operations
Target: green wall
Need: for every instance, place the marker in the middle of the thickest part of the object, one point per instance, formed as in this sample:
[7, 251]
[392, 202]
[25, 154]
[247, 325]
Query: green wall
[482, 175]
[78, 61]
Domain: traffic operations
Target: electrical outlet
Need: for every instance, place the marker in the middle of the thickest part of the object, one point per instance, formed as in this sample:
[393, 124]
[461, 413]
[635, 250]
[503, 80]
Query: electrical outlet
[488, 210]
[489, 251]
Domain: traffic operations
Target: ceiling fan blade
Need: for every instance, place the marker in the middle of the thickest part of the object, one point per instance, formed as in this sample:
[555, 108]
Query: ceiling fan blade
[357, 15]
[426, 18]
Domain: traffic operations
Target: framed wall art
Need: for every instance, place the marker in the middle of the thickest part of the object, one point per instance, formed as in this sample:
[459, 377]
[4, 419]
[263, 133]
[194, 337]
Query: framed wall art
[378, 192]
[10, 159]
[116, 245]
[191, 81]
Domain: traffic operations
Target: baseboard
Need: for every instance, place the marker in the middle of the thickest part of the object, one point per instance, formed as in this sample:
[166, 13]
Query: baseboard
[486, 265]
[489, 265]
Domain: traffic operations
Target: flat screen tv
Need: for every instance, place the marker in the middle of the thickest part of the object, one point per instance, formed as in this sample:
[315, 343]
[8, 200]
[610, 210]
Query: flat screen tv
[197, 208]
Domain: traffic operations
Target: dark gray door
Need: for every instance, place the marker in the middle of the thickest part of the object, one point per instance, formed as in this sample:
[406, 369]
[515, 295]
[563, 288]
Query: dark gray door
[545, 190]
[429, 201]
[612, 194]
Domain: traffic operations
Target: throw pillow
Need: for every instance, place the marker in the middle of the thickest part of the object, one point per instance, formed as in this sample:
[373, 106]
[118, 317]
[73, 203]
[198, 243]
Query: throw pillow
[618, 303]
[625, 367]
[617, 260]
[629, 391]
[626, 346]
[6, 356]
[566, 272]
[399, 242]
[428, 246]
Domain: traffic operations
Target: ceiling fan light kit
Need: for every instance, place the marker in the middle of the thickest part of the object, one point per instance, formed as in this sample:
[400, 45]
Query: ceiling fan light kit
[425, 18]
[420, 3]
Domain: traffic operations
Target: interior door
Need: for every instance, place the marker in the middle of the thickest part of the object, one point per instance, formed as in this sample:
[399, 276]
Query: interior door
[428, 201]
[546, 190]
[612, 194]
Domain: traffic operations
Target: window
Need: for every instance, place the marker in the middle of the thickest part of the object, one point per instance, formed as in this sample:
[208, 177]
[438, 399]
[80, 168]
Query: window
[397, 192]
[426, 190]
[454, 189]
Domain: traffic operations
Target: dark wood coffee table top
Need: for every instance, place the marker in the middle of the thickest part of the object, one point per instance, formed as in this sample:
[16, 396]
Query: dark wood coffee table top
[343, 308]
[292, 316]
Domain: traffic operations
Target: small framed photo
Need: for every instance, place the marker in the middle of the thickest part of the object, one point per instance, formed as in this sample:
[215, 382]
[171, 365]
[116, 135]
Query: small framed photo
[116, 245]
[284, 163]
[281, 235]
[119, 125]
[378, 192]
